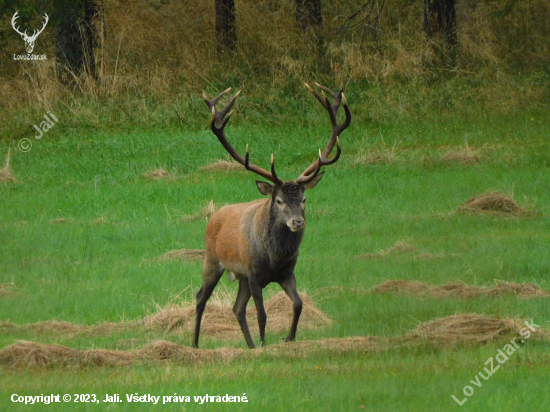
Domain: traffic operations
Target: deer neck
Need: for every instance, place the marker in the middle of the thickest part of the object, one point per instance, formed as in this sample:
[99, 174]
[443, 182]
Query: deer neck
[280, 241]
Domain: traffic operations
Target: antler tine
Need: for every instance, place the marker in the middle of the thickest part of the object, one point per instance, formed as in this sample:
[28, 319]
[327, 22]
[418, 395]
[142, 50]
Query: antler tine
[316, 171]
[275, 177]
[318, 97]
[320, 162]
[217, 125]
[212, 103]
[326, 89]
[337, 129]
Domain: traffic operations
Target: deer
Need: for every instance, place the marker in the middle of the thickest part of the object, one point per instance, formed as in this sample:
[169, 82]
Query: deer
[258, 242]
[29, 40]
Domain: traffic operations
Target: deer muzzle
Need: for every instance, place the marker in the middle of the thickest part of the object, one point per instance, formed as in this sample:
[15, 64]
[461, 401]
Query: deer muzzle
[296, 224]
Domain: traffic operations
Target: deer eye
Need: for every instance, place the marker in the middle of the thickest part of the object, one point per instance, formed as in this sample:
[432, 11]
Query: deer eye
[304, 200]
[279, 202]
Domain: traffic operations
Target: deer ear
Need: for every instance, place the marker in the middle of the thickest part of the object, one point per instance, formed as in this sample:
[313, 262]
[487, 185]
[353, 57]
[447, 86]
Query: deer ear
[313, 183]
[264, 188]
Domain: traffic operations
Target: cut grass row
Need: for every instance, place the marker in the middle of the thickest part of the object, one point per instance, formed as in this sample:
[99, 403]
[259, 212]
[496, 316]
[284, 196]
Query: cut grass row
[414, 380]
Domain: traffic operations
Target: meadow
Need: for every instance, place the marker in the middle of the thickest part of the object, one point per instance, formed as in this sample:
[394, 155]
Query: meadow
[84, 227]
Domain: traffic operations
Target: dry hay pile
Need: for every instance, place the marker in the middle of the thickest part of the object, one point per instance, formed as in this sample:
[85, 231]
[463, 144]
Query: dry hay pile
[220, 321]
[24, 353]
[222, 165]
[493, 203]
[523, 290]
[34, 354]
[205, 213]
[462, 156]
[461, 290]
[469, 328]
[189, 255]
[381, 155]
[280, 306]
[401, 247]
[466, 328]
[157, 174]
[6, 174]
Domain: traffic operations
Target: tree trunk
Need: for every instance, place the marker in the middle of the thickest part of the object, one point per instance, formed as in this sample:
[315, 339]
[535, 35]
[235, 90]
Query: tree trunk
[80, 37]
[440, 18]
[226, 25]
[309, 17]
[95, 24]
[309, 14]
[440, 29]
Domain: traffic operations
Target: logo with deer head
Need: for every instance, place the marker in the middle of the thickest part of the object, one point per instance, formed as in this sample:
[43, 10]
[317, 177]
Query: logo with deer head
[29, 40]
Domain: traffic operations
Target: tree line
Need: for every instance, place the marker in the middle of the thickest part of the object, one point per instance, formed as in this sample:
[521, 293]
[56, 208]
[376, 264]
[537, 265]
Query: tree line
[80, 29]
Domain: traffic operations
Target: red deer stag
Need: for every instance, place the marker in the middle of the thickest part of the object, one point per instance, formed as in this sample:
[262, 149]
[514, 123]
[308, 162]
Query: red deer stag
[258, 242]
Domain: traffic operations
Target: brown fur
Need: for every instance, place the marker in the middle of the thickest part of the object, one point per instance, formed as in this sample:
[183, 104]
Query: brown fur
[225, 241]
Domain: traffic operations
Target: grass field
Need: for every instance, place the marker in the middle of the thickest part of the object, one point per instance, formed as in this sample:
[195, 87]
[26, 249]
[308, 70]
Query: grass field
[82, 230]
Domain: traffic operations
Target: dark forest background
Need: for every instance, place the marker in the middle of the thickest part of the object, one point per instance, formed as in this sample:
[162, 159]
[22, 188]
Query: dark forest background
[146, 62]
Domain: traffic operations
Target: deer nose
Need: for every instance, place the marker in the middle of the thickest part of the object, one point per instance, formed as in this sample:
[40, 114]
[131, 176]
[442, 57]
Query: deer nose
[298, 223]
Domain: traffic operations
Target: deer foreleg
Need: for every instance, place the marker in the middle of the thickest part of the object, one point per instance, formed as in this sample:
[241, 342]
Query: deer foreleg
[289, 286]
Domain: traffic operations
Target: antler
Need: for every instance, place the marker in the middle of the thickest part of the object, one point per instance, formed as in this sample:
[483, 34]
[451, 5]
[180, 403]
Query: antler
[35, 33]
[217, 124]
[15, 16]
[313, 170]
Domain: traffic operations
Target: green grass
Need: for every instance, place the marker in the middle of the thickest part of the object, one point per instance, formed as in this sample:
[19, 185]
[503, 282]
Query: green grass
[86, 272]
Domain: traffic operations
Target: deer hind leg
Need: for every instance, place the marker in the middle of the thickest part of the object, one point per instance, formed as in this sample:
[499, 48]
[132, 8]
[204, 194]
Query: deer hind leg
[289, 286]
[257, 295]
[212, 272]
[239, 309]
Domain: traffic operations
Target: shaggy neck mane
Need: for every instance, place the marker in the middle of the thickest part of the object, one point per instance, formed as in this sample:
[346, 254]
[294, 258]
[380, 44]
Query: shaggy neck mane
[281, 241]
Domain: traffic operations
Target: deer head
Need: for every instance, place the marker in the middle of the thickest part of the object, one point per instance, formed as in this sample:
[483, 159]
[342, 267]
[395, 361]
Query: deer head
[29, 40]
